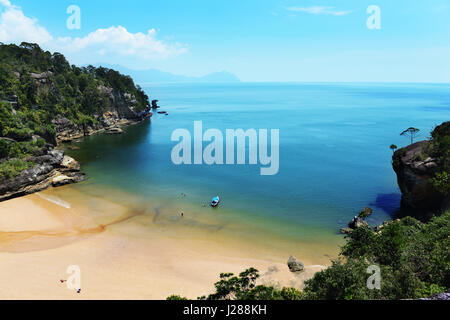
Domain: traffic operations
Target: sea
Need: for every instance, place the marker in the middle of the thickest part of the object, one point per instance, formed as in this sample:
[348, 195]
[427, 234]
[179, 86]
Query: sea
[334, 155]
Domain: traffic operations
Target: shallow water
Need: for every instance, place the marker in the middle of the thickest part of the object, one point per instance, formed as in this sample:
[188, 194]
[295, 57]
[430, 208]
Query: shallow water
[334, 155]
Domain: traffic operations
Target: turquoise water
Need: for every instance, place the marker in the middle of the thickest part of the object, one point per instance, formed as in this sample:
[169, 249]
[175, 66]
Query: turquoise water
[334, 150]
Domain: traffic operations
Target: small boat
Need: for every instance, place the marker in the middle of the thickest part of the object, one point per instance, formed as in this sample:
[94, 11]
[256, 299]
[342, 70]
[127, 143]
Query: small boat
[215, 202]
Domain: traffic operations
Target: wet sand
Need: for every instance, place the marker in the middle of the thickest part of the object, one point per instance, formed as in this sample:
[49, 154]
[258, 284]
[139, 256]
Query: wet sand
[132, 252]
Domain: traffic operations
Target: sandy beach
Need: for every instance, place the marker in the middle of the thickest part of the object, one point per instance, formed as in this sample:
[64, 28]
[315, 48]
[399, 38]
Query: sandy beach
[129, 253]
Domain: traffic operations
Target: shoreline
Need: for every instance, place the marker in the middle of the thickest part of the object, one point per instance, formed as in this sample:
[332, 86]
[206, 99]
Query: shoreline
[128, 254]
[62, 139]
[63, 170]
[55, 227]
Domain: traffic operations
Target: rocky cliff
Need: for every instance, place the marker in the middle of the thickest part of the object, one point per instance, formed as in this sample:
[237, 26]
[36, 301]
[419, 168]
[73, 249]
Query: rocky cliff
[44, 100]
[52, 168]
[120, 113]
[415, 171]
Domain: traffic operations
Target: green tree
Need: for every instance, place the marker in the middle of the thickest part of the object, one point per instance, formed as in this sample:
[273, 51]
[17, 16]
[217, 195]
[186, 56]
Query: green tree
[176, 298]
[393, 147]
[411, 132]
[244, 287]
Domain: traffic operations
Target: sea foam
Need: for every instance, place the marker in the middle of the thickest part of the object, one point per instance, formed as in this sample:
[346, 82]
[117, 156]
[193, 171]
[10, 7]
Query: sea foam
[55, 200]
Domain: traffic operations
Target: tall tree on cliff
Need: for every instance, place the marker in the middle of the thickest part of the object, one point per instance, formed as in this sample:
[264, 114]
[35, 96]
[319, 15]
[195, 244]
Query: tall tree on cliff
[411, 132]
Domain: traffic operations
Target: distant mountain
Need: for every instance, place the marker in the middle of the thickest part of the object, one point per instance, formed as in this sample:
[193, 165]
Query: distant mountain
[144, 77]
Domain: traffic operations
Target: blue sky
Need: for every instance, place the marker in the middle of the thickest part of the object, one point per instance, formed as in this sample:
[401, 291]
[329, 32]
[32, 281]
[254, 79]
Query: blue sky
[258, 40]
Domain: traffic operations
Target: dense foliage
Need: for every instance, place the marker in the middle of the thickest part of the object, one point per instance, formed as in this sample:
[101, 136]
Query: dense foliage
[440, 149]
[36, 86]
[413, 259]
[243, 287]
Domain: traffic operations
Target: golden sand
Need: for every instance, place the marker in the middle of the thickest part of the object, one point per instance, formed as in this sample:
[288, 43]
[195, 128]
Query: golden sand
[131, 253]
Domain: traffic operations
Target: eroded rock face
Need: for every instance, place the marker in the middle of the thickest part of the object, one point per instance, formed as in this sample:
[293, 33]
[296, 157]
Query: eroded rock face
[414, 172]
[66, 130]
[52, 168]
[70, 164]
[122, 112]
[62, 180]
[42, 78]
[124, 103]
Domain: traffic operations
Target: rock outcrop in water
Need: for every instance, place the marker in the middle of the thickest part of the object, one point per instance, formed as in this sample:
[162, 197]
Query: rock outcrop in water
[155, 104]
[358, 221]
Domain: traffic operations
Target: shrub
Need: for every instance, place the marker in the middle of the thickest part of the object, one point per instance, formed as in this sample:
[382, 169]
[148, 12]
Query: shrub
[243, 287]
[413, 257]
[441, 182]
[4, 149]
[341, 281]
[176, 298]
[13, 168]
[21, 134]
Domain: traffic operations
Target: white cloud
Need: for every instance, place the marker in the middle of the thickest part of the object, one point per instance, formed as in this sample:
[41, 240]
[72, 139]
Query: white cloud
[5, 3]
[16, 27]
[319, 10]
[119, 41]
[110, 45]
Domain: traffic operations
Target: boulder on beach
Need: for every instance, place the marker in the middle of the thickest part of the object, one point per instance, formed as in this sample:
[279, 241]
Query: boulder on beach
[294, 265]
